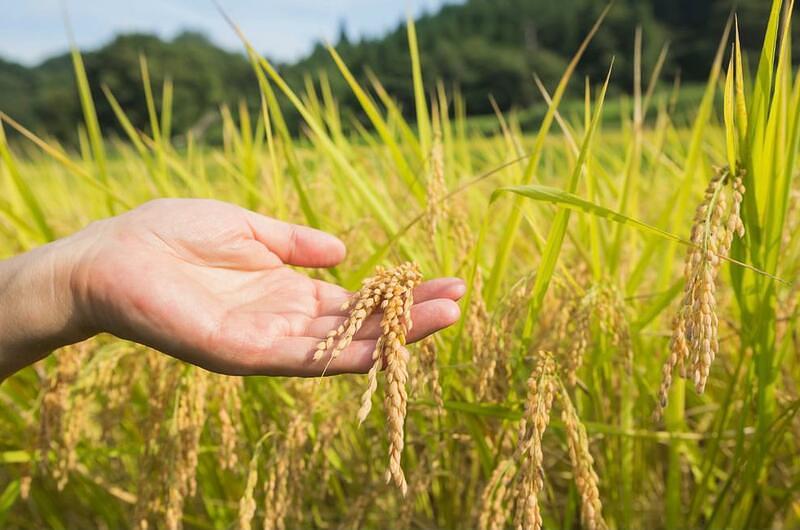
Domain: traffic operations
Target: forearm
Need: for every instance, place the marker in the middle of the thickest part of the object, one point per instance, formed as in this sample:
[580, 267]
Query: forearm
[37, 308]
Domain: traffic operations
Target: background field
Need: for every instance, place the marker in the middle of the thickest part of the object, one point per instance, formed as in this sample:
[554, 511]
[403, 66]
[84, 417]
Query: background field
[588, 255]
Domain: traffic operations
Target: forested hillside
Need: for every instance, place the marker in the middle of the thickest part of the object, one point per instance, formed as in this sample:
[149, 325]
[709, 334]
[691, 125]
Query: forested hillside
[483, 47]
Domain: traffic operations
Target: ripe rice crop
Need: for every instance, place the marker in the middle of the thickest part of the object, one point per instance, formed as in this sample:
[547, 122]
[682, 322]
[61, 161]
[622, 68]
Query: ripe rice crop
[391, 291]
[536, 409]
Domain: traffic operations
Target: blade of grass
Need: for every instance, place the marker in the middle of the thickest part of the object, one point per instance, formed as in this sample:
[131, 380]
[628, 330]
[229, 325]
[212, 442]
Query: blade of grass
[404, 170]
[21, 185]
[64, 160]
[420, 102]
[506, 243]
[558, 228]
[89, 113]
[360, 184]
[571, 201]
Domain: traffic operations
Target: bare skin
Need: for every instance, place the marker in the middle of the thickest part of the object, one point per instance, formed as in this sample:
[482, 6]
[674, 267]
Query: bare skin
[204, 281]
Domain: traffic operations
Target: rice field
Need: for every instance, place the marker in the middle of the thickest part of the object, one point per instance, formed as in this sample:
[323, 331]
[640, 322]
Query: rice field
[626, 356]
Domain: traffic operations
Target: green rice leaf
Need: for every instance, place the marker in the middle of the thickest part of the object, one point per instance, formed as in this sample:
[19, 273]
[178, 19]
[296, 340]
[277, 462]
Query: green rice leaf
[408, 176]
[506, 243]
[558, 229]
[28, 196]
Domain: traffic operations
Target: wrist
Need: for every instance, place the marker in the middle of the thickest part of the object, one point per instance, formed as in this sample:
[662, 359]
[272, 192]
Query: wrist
[39, 309]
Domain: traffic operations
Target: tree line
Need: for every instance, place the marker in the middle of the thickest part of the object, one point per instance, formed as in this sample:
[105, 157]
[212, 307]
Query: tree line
[481, 47]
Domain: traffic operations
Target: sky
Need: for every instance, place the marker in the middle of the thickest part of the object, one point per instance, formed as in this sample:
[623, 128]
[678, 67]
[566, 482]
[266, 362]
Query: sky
[32, 30]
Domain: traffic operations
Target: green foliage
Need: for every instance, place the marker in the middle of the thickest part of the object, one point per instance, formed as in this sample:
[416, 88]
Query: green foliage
[204, 77]
[722, 459]
[481, 47]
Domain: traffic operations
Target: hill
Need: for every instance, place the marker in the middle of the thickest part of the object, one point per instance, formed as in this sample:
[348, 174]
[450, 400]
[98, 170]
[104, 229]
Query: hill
[483, 47]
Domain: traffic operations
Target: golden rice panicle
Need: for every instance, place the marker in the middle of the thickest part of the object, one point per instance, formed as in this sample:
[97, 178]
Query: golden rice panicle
[285, 474]
[706, 343]
[56, 397]
[162, 383]
[396, 403]
[67, 412]
[190, 417]
[117, 376]
[542, 386]
[247, 504]
[430, 370]
[491, 337]
[478, 327]
[695, 342]
[228, 413]
[361, 305]
[62, 418]
[378, 356]
[393, 290]
[610, 307]
[586, 479]
[326, 429]
[574, 329]
[678, 352]
[462, 235]
[604, 304]
[494, 503]
[395, 325]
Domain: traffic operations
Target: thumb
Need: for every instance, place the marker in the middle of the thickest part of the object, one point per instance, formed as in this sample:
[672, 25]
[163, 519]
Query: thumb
[296, 244]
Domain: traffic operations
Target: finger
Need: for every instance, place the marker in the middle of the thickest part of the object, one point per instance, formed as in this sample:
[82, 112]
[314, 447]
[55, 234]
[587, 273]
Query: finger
[327, 290]
[295, 244]
[294, 356]
[449, 288]
[427, 317]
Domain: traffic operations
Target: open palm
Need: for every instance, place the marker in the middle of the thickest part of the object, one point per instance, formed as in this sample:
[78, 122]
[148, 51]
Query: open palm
[208, 282]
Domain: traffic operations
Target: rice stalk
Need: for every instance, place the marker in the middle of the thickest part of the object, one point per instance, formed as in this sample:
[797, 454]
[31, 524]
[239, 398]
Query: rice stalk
[542, 388]
[695, 342]
[391, 290]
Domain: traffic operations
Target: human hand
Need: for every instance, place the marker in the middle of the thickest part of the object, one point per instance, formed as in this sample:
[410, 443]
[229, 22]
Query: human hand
[208, 282]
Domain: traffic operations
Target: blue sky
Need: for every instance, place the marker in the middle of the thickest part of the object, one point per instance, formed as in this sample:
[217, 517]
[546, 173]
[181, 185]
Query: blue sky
[31, 30]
